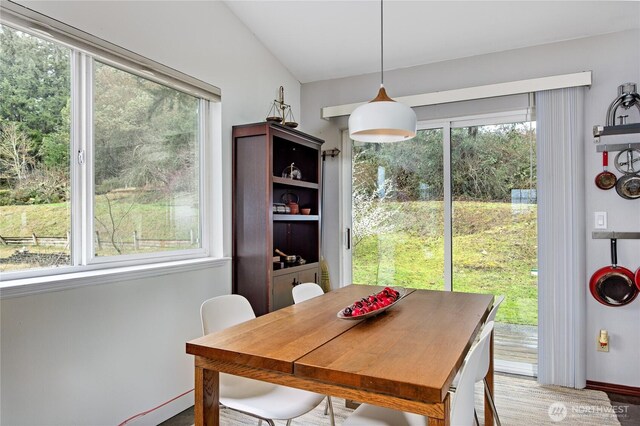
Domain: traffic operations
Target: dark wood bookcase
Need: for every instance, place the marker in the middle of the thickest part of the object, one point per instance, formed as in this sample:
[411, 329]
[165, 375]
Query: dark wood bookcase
[261, 152]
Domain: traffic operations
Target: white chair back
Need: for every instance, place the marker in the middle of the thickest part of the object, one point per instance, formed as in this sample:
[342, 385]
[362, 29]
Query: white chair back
[224, 311]
[306, 291]
[494, 309]
[462, 404]
[483, 368]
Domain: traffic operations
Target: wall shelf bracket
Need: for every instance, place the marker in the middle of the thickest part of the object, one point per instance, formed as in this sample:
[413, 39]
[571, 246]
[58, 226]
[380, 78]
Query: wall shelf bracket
[607, 235]
[621, 129]
[617, 146]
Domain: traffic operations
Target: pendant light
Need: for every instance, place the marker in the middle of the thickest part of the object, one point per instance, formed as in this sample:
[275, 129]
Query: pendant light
[382, 119]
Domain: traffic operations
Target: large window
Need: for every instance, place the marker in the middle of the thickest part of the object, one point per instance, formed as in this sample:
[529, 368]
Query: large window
[100, 157]
[146, 165]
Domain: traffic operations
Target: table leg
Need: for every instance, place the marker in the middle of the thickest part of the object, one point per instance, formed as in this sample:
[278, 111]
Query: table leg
[488, 413]
[207, 407]
[447, 414]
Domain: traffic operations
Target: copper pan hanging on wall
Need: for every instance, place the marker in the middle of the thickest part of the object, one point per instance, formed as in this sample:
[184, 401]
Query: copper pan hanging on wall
[605, 179]
[613, 285]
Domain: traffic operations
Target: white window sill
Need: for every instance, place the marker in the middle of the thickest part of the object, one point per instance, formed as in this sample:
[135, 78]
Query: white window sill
[45, 284]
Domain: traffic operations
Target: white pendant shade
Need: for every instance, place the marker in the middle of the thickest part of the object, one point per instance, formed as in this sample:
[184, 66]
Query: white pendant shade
[382, 121]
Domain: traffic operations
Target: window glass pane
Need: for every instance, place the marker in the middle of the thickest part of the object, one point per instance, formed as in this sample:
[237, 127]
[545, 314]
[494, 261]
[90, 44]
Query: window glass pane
[398, 214]
[495, 228]
[146, 165]
[35, 121]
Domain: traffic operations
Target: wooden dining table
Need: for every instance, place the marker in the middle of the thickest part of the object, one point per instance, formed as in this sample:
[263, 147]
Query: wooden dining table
[404, 358]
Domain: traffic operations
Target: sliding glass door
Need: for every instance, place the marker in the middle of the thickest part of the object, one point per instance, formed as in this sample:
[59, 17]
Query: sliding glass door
[454, 209]
[494, 231]
[397, 232]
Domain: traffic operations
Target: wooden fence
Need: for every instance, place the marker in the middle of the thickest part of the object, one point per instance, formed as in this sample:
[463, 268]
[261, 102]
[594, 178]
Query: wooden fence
[135, 241]
[138, 243]
[35, 240]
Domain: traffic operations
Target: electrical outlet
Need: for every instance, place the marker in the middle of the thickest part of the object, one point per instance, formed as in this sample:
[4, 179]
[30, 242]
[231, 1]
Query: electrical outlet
[602, 343]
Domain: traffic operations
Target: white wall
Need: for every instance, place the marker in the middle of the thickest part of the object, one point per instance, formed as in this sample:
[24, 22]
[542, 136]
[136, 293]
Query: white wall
[614, 59]
[98, 355]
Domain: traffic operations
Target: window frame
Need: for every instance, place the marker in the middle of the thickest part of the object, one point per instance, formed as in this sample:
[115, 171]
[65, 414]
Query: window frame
[85, 49]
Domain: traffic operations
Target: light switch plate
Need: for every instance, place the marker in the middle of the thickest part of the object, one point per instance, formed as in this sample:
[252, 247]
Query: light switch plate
[600, 220]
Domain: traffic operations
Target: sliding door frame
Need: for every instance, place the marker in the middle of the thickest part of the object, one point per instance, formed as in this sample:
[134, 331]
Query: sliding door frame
[446, 125]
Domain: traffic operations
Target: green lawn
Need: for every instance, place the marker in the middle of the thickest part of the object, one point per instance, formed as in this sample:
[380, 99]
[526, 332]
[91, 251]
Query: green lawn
[156, 219]
[151, 218]
[50, 220]
[494, 251]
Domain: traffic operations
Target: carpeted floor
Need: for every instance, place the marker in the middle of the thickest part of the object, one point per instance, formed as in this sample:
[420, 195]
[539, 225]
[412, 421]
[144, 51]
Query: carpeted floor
[520, 401]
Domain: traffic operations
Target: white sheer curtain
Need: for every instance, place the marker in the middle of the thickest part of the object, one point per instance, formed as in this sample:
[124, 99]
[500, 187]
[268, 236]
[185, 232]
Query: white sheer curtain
[561, 237]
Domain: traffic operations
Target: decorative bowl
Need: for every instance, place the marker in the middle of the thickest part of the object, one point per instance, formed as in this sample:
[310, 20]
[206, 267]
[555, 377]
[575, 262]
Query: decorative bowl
[401, 290]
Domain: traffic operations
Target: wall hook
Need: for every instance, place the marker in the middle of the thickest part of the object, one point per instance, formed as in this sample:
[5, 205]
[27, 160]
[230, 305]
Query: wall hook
[330, 152]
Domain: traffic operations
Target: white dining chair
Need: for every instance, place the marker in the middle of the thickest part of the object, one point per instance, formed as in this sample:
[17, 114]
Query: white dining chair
[483, 368]
[262, 400]
[462, 400]
[306, 291]
[300, 293]
[494, 309]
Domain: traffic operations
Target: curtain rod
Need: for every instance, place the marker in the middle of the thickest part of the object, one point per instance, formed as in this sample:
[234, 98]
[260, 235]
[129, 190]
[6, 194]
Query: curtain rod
[477, 92]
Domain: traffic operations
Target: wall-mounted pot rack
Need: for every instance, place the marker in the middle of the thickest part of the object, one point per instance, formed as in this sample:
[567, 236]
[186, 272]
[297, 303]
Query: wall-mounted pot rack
[621, 129]
[617, 147]
[628, 186]
[608, 235]
[627, 98]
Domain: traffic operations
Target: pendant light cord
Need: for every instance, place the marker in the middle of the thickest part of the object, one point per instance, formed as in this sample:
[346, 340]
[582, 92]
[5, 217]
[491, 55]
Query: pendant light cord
[381, 43]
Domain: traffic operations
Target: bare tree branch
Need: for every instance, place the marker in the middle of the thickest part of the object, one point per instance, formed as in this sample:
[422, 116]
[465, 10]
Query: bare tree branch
[15, 159]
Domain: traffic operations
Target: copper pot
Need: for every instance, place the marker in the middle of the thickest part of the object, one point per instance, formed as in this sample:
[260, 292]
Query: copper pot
[295, 209]
[613, 285]
[605, 179]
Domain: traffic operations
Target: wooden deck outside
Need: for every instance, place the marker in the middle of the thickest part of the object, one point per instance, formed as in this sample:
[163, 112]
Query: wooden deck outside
[516, 344]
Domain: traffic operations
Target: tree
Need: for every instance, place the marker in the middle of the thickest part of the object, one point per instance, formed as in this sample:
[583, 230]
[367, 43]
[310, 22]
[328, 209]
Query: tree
[112, 226]
[491, 160]
[487, 162]
[372, 213]
[34, 83]
[55, 148]
[145, 133]
[411, 165]
[15, 157]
